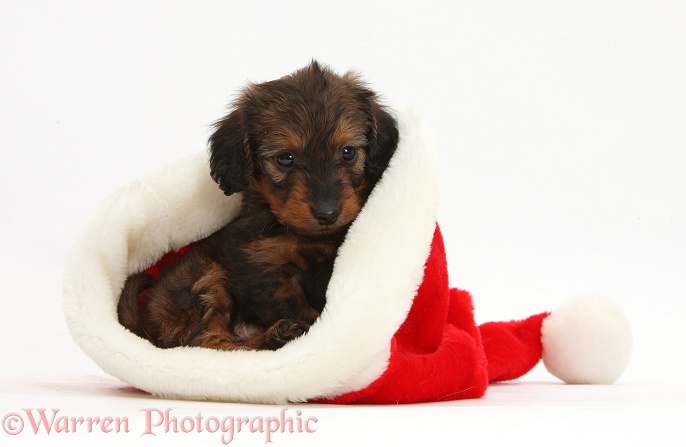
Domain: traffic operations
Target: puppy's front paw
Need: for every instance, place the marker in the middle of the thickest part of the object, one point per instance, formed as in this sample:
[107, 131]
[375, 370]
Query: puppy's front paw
[284, 331]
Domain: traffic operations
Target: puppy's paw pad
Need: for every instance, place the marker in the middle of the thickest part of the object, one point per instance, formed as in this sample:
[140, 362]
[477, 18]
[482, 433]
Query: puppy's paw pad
[284, 331]
[284, 327]
[289, 329]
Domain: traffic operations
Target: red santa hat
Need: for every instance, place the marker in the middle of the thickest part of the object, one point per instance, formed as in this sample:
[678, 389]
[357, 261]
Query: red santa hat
[392, 331]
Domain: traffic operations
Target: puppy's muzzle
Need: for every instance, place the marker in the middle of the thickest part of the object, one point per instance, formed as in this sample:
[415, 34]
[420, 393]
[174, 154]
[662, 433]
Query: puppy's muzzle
[326, 213]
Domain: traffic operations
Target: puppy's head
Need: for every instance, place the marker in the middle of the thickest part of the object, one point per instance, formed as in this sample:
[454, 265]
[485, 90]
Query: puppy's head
[313, 144]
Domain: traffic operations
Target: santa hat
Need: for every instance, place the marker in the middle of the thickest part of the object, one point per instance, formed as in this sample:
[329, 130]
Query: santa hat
[392, 331]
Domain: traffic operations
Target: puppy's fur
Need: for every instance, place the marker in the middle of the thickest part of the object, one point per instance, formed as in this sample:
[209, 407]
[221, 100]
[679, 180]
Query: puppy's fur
[306, 150]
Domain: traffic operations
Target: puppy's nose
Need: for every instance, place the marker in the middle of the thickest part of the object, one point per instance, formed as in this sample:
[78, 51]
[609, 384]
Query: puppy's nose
[326, 213]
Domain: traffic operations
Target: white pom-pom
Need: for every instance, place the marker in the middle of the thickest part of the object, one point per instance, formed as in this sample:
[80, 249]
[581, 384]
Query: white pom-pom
[587, 340]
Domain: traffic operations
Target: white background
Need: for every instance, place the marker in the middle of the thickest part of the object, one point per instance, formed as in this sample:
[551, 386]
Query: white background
[562, 136]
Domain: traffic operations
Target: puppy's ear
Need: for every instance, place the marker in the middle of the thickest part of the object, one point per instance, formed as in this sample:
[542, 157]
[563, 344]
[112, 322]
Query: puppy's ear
[230, 158]
[383, 146]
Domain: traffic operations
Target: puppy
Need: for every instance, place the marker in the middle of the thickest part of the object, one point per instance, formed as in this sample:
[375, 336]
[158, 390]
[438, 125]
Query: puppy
[306, 151]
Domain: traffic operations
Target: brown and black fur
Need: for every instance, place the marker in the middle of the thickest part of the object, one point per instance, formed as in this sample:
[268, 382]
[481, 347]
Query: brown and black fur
[306, 151]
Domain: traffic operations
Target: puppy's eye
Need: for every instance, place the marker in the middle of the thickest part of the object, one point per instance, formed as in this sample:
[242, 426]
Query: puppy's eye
[286, 159]
[348, 153]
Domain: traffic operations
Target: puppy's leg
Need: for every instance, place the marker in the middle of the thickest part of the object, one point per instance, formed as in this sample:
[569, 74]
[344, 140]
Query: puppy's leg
[289, 309]
[214, 331]
[190, 305]
[127, 308]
